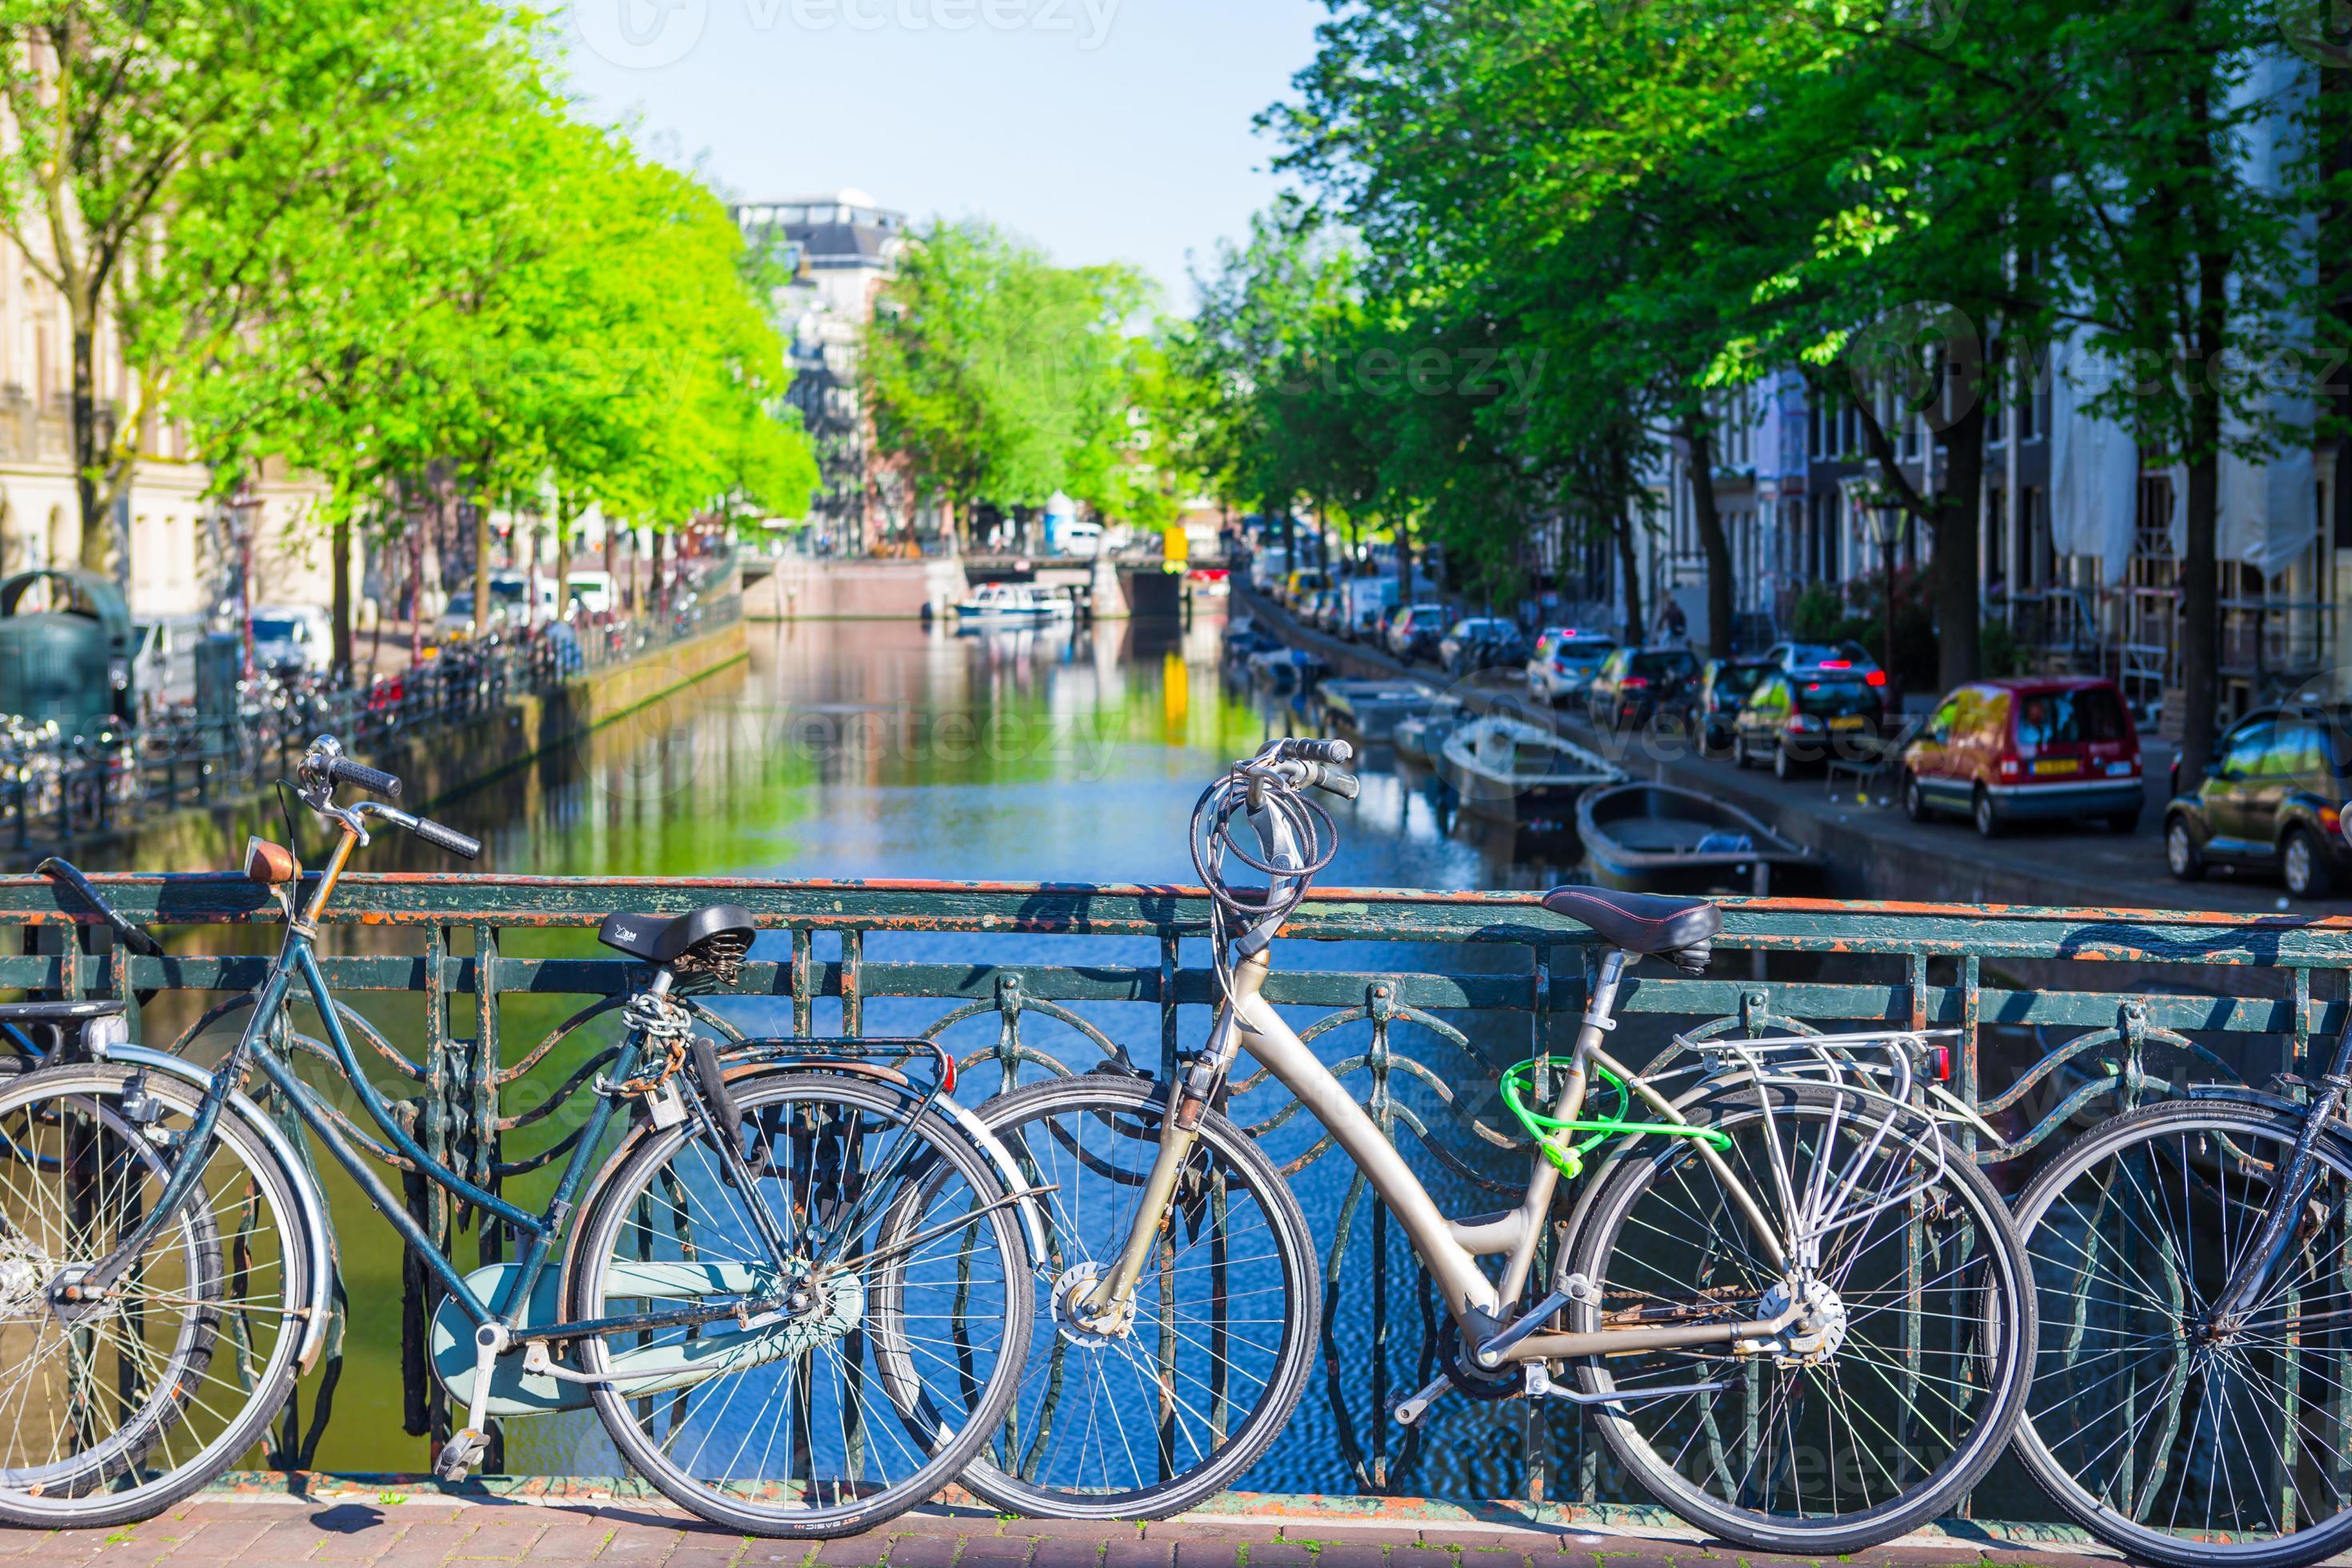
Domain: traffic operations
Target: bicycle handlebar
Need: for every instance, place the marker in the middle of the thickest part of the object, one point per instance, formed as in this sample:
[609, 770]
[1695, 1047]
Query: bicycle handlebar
[376, 781]
[1315, 752]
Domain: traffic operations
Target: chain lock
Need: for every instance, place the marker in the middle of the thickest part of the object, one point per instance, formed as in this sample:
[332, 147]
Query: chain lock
[668, 1029]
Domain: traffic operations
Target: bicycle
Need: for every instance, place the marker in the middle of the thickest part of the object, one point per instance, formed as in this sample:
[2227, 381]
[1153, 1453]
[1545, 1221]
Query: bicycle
[794, 1294]
[2193, 1403]
[1801, 1317]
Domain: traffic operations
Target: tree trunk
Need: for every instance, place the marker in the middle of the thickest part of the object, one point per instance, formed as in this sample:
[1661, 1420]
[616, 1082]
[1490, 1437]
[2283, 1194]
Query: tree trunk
[2200, 599]
[417, 585]
[2335, 253]
[1629, 567]
[481, 567]
[661, 582]
[1713, 542]
[96, 528]
[566, 517]
[340, 559]
[1959, 611]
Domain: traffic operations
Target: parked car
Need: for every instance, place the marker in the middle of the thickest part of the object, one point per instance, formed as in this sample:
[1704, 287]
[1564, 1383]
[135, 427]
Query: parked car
[1362, 599]
[1801, 720]
[1299, 584]
[1564, 662]
[1326, 609]
[1711, 702]
[290, 638]
[1480, 642]
[1633, 685]
[1837, 657]
[2004, 751]
[2222, 744]
[1415, 630]
[2274, 798]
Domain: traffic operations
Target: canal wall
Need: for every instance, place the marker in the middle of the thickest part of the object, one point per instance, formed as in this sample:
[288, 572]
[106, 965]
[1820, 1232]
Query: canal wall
[433, 766]
[802, 589]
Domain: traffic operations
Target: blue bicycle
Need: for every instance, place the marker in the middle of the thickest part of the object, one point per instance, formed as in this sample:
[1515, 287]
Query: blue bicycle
[791, 1283]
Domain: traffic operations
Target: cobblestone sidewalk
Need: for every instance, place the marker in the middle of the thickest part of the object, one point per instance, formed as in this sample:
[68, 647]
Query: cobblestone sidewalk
[430, 1532]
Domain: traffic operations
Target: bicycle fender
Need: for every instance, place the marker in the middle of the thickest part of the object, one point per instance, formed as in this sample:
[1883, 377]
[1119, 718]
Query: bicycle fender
[311, 1203]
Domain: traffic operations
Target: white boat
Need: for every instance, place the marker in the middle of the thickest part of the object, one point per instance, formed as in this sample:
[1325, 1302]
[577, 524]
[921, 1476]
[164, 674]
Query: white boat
[1516, 773]
[1011, 603]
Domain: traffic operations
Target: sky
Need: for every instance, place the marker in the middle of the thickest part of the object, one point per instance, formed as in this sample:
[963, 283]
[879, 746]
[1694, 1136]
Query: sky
[1102, 129]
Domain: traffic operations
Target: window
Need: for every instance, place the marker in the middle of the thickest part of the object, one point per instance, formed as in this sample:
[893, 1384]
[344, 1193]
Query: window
[2300, 751]
[1940, 727]
[2248, 749]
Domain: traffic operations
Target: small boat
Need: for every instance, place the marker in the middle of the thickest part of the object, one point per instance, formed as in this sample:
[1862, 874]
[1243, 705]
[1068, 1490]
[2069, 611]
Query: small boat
[1012, 604]
[1287, 668]
[1373, 709]
[1421, 737]
[1657, 838]
[1244, 639]
[1513, 771]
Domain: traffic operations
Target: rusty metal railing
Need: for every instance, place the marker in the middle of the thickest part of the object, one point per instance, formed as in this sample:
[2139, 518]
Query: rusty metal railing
[494, 1009]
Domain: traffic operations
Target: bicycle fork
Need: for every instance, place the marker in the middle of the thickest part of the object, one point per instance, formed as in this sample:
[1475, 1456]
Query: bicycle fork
[2247, 1283]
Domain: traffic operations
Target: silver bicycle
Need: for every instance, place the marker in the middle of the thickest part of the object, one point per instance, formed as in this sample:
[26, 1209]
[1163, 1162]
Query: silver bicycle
[1801, 1317]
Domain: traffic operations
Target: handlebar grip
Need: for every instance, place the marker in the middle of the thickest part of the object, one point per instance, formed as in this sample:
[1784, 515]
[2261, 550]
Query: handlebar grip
[1320, 751]
[376, 781]
[1343, 784]
[448, 838]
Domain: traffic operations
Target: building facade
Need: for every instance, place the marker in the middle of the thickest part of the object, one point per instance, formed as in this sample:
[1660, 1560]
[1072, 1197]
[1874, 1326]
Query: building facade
[839, 250]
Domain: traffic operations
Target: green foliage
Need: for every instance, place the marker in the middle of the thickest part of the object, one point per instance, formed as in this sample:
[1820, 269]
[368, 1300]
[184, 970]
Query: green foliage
[1819, 616]
[999, 377]
[2003, 654]
[371, 241]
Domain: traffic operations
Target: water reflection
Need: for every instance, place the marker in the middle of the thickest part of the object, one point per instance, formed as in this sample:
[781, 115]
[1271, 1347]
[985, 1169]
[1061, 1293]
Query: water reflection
[888, 750]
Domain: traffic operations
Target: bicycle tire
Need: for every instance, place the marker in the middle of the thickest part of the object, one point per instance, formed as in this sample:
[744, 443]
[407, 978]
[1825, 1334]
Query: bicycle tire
[812, 1126]
[190, 1413]
[2155, 1146]
[1031, 1467]
[1987, 1338]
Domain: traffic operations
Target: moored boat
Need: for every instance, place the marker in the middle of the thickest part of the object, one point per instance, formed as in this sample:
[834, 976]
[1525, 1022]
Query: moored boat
[1287, 668]
[1373, 709]
[1657, 838]
[1012, 604]
[1422, 736]
[1514, 771]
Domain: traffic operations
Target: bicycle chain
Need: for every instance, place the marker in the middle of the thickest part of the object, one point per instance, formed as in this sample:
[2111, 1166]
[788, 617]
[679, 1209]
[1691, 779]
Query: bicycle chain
[667, 1027]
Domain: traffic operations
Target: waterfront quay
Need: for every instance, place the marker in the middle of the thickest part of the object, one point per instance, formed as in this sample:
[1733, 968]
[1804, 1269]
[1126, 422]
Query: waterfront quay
[390, 1527]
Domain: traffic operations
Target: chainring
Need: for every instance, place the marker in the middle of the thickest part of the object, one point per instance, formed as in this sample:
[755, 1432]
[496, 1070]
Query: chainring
[1473, 1380]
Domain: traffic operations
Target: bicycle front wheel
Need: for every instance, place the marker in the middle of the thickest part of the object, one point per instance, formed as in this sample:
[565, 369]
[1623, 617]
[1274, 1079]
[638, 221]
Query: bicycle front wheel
[852, 1380]
[2175, 1440]
[114, 1409]
[1895, 1388]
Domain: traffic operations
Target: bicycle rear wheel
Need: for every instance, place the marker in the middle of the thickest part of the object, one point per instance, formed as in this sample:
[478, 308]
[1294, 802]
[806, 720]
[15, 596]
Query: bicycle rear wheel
[836, 1396]
[1147, 1416]
[2173, 1443]
[111, 1411]
[1897, 1388]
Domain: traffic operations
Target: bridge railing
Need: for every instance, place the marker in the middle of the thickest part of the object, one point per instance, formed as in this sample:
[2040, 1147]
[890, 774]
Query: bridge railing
[57, 789]
[490, 1009]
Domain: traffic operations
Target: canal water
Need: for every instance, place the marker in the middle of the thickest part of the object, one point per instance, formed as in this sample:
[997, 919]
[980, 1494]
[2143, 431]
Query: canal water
[885, 750]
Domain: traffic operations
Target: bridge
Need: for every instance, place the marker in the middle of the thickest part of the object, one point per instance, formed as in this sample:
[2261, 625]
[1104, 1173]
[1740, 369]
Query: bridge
[2069, 1010]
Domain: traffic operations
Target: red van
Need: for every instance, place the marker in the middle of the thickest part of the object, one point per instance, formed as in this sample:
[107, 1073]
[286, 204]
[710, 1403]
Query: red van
[2004, 751]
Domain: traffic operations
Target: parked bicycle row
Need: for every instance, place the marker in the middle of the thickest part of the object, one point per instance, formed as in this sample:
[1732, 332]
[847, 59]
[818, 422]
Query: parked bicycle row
[803, 1286]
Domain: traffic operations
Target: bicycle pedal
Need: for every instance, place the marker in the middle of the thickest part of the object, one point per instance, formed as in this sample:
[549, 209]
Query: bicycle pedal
[1414, 1407]
[460, 1454]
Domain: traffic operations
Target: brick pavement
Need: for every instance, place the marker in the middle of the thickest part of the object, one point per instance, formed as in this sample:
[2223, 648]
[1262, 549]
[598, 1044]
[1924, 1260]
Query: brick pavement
[397, 1531]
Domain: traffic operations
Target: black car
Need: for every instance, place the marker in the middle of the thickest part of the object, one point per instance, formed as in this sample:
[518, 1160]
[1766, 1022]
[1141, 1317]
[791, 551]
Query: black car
[1803, 720]
[2275, 798]
[1712, 702]
[1481, 642]
[1414, 631]
[1635, 684]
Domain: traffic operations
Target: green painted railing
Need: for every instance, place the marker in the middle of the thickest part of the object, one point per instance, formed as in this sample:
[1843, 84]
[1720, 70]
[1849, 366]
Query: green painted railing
[2062, 1014]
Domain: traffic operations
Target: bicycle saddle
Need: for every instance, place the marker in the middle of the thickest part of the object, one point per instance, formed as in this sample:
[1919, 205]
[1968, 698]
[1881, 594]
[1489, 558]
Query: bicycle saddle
[1652, 924]
[664, 938]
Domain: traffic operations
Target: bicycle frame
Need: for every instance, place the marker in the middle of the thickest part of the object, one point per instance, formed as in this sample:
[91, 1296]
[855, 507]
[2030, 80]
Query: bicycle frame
[1449, 1248]
[297, 960]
